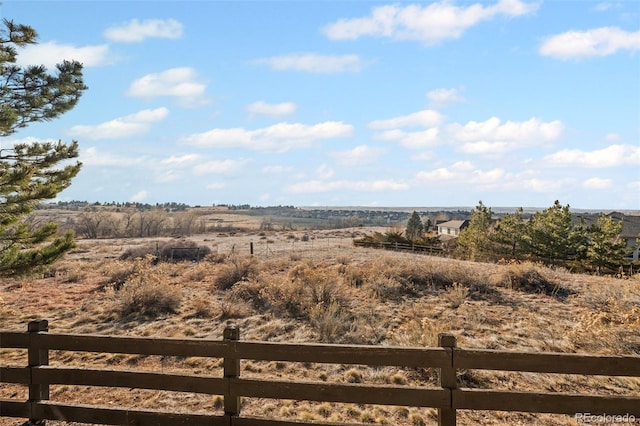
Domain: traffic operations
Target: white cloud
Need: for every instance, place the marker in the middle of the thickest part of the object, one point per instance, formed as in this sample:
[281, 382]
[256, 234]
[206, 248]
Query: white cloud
[135, 31]
[167, 176]
[459, 171]
[179, 83]
[591, 43]
[139, 196]
[315, 186]
[601, 7]
[219, 167]
[464, 174]
[494, 137]
[122, 127]
[280, 137]
[313, 63]
[91, 157]
[597, 183]
[423, 156]
[612, 156]
[185, 160]
[429, 24]
[543, 186]
[271, 110]
[484, 147]
[490, 137]
[51, 53]
[324, 172]
[612, 137]
[358, 156]
[426, 118]
[412, 140]
[276, 169]
[532, 130]
[443, 97]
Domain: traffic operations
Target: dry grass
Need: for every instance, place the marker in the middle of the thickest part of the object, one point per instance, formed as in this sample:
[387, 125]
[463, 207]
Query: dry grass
[333, 295]
[146, 292]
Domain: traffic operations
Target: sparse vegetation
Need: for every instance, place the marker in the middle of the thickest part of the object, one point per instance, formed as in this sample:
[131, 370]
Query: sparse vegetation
[239, 269]
[146, 292]
[332, 295]
[170, 251]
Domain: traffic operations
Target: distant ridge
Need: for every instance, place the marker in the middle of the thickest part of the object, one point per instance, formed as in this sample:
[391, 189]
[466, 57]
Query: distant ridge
[463, 208]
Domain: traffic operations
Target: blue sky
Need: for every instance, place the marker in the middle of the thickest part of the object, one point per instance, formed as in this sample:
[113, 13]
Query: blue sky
[512, 102]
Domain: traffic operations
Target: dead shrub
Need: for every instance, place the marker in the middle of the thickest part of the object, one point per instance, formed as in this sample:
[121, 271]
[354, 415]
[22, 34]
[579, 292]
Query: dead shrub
[352, 275]
[240, 269]
[330, 322]
[175, 251]
[252, 292]
[418, 333]
[202, 308]
[384, 288]
[198, 272]
[530, 278]
[353, 375]
[455, 294]
[118, 273]
[285, 297]
[147, 293]
[233, 307]
[216, 258]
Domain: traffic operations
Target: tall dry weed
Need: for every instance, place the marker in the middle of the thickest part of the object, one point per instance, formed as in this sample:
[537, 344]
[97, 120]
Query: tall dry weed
[417, 274]
[423, 332]
[146, 292]
[611, 324]
[527, 277]
[238, 269]
[455, 294]
[331, 322]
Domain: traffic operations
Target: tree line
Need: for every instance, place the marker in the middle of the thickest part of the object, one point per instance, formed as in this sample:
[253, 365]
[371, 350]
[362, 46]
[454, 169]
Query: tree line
[552, 236]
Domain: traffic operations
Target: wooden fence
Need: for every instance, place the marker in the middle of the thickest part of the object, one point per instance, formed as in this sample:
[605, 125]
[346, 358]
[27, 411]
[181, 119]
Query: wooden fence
[432, 250]
[447, 398]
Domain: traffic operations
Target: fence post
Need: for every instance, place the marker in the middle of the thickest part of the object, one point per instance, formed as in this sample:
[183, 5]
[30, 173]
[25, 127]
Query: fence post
[231, 370]
[37, 357]
[448, 380]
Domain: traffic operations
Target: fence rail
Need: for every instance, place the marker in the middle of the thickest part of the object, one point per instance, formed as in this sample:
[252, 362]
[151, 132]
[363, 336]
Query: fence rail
[432, 250]
[447, 398]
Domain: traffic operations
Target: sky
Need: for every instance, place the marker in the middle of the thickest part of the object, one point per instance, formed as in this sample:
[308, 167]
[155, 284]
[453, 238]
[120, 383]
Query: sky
[337, 103]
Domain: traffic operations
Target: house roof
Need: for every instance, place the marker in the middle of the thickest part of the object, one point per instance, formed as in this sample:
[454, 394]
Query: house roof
[630, 223]
[453, 224]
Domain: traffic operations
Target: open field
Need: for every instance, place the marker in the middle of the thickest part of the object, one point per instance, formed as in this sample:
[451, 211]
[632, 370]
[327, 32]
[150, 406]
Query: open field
[310, 286]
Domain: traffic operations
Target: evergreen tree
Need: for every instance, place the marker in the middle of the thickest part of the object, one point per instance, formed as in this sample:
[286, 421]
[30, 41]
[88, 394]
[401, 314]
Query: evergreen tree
[30, 173]
[474, 241]
[605, 246]
[414, 228]
[509, 235]
[551, 236]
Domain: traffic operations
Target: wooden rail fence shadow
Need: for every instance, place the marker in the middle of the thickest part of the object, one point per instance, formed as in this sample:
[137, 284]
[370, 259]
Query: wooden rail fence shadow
[448, 398]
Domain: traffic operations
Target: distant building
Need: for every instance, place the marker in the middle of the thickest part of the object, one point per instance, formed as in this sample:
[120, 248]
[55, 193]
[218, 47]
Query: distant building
[630, 229]
[630, 232]
[452, 228]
